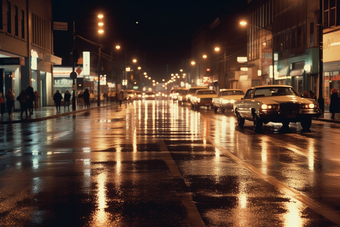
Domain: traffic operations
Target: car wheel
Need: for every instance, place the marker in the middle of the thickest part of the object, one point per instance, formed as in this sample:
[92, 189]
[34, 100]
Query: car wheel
[285, 124]
[240, 120]
[192, 107]
[306, 124]
[215, 109]
[197, 107]
[222, 110]
[257, 123]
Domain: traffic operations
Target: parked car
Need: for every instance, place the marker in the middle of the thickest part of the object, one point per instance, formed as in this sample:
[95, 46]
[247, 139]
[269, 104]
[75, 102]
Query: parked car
[226, 98]
[150, 95]
[175, 93]
[192, 92]
[182, 94]
[203, 97]
[275, 103]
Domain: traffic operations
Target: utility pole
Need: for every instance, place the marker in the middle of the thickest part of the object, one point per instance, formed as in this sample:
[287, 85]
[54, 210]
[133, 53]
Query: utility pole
[73, 74]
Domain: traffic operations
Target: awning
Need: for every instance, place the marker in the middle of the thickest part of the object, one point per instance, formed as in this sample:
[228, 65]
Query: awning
[297, 72]
[53, 59]
[283, 71]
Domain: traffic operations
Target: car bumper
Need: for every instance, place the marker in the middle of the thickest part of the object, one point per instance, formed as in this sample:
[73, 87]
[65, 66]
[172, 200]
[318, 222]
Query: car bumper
[227, 106]
[276, 116]
[204, 103]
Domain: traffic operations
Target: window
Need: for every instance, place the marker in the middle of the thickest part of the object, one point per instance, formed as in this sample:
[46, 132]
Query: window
[22, 24]
[9, 24]
[299, 37]
[311, 34]
[293, 39]
[41, 34]
[16, 16]
[1, 19]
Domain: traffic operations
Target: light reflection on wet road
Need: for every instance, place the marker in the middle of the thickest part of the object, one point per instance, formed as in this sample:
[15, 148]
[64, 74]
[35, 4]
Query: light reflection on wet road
[157, 163]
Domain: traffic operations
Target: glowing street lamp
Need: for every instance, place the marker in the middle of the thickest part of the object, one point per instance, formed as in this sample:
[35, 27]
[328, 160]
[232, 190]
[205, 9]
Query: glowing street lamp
[100, 31]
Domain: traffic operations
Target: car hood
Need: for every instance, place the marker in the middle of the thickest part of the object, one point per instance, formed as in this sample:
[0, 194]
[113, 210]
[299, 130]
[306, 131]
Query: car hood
[283, 99]
[232, 97]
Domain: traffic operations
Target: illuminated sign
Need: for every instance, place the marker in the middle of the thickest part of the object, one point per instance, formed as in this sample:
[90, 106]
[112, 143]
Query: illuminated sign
[242, 59]
[86, 63]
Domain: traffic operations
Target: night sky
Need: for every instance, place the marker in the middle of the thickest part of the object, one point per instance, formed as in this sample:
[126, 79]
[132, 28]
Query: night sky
[163, 33]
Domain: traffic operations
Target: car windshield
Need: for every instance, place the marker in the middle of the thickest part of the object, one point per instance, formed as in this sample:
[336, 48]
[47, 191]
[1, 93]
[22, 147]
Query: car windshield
[274, 91]
[193, 91]
[232, 93]
[150, 93]
[212, 92]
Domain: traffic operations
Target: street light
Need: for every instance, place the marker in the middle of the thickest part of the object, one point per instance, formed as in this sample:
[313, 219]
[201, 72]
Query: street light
[100, 32]
[244, 23]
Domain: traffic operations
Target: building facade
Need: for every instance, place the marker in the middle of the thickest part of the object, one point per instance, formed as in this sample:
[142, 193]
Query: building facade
[282, 42]
[26, 47]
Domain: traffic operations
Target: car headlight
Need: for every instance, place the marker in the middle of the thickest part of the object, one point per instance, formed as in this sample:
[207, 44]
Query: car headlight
[269, 106]
[198, 100]
[308, 106]
[225, 101]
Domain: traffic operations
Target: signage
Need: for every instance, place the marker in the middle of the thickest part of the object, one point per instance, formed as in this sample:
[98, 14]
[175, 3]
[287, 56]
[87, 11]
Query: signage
[86, 63]
[331, 46]
[78, 70]
[242, 59]
[12, 61]
[60, 26]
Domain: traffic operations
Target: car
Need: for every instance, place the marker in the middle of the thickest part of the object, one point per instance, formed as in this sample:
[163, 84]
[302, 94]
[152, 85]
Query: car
[192, 92]
[138, 95]
[175, 93]
[130, 95]
[275, 103]
[226, 98]
[150, 95]
[203, 97]
[182, 95]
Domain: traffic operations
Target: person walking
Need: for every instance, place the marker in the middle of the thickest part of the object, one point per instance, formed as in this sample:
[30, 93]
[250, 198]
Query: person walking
[30, 100]
[36, 99]
[22, 98]
[333, 108]
[57, 97]
[121, 97]
[87, 98]
[9, 102]
[67, 98]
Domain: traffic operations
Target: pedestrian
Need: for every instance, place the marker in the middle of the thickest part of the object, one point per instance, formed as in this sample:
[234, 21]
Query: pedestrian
[333, 108]
[22, 98]
[312, 95]
[305, 94]
[36, 99]
[121, 97]
[67, 98]
[2, 101]
[87, 98]
[30, 100]
[57, 97]
[9, 102]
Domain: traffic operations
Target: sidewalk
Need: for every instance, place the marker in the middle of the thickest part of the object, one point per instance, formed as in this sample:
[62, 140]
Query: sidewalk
[48, 112]
[44, 113]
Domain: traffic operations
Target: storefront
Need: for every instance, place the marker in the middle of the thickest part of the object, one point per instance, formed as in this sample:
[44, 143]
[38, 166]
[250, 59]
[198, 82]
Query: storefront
[331, 67]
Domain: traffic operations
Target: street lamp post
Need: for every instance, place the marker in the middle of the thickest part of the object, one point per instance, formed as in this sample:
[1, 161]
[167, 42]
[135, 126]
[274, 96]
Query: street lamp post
[244, 23]
[100, 31]
[321, 99]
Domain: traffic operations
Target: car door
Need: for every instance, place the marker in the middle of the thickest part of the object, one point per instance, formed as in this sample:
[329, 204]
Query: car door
[246, 103]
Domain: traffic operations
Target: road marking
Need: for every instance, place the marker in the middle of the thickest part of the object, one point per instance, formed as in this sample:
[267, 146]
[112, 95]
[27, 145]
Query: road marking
[319, 208]
[192, 211]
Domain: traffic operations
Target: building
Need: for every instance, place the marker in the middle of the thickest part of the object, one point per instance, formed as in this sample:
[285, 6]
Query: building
[26, 47]
[284, 34]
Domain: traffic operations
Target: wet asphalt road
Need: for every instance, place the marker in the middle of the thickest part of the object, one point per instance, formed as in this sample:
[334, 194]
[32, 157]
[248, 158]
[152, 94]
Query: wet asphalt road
[156, 163]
